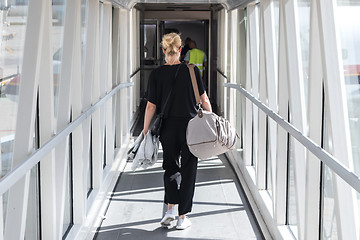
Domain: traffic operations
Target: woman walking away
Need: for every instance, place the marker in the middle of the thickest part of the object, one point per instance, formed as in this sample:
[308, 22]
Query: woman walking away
[179, 164]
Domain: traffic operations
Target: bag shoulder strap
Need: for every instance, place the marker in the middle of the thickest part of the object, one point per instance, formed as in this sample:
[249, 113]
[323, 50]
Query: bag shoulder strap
[194, 83]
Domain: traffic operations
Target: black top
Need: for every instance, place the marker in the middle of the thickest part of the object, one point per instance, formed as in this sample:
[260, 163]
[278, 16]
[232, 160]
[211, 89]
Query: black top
[182, 104]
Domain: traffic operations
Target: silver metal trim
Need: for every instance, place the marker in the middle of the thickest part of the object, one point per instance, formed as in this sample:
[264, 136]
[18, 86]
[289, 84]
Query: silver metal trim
[231, 5]
[342, 171]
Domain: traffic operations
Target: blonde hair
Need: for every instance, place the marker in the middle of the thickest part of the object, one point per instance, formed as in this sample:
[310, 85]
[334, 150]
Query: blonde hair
[171, 43]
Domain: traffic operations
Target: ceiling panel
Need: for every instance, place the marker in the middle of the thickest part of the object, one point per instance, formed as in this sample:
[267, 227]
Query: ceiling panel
[198, 5]
[176, 6]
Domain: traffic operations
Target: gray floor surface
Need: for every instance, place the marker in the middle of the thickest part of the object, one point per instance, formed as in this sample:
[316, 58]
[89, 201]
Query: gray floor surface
[220, 209]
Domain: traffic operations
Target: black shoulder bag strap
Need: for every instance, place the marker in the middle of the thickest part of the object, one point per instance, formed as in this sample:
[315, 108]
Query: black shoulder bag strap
[163, 111]
[155, 130]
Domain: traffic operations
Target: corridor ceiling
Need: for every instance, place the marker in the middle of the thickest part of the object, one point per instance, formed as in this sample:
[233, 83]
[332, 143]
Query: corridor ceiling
[177, 7]
[227, 4]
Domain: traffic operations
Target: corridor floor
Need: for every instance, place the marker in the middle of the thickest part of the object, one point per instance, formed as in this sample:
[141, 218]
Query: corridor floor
[220, 209]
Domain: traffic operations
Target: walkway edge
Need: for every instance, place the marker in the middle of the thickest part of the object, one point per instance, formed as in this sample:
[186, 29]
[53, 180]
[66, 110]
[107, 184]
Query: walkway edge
[262, 213]
[102, 200]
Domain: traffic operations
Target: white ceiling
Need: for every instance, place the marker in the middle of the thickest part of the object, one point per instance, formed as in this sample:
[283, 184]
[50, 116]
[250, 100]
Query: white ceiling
[227, 4]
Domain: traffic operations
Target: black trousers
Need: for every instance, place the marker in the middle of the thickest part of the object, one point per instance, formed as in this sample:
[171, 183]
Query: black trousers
[178, 161]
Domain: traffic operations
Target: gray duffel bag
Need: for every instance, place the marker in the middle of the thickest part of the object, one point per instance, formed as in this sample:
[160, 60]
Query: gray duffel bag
[208, 134]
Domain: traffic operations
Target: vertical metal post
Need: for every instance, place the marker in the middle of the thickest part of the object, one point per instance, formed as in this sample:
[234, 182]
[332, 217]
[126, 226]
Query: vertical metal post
[79, 165]
[248, 121]
[254, 72]
[124, 72]
[97, 126]
[107, 74]
[282, 135]
[46, 129]
[73, 9]
[315, 121]
[240, 99]
[271, 81]
[116, 67]
[297, 104]
[262, 141]
[88, 82]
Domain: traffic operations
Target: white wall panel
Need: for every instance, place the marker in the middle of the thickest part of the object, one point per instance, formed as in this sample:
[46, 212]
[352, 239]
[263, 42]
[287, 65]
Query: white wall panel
[135, 54]
[253, 46]
[71, 30]
[271, 79]
[240, 111]
[77, 93]
[46, 129]
[78, 173]
[282, 136]
[248, 134]
[227, 64]
[234, 102]
[281, 87]
[345, 198]
[262, 138]
[124, 66]
[116, 67]
[103, 75]
[107, 76]
[315, 121]
[297, 104]
[97, 123]
[23, 145]
[88, 82]
[220, 33]
[245, 55]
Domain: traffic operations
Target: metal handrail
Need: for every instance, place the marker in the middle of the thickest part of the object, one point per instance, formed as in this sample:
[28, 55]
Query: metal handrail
[342, 171]
[8, 77]
[134, 73]
[19, 171]
[221, 73]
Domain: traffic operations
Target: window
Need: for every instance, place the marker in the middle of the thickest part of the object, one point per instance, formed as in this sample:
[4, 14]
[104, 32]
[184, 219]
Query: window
[304, 29]
[13, 20]
[150, 43]
[58, 14]
[348, 24]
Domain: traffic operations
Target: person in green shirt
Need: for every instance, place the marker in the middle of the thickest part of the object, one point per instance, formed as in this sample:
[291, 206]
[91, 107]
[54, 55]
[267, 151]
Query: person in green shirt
[197, 57]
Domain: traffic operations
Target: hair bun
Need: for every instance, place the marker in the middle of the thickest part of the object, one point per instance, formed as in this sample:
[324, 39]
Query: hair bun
[171, 42]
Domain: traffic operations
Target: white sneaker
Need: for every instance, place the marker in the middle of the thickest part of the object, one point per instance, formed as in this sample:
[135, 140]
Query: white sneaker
[183, 223]
[168, 218]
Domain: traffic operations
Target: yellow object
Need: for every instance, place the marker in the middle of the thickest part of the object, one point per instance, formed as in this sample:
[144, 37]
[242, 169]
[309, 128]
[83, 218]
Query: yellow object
[197, 58]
